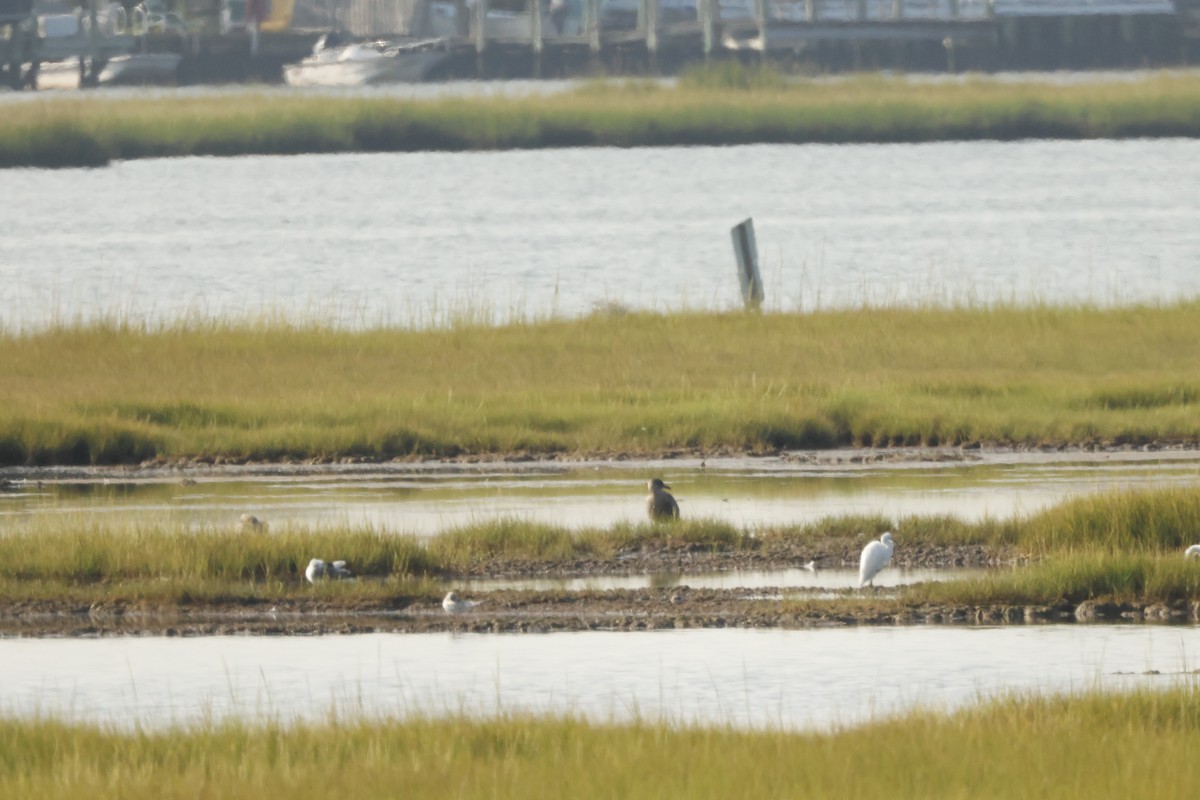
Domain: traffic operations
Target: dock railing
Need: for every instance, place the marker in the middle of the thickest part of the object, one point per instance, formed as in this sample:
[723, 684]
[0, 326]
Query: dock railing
[736, 24]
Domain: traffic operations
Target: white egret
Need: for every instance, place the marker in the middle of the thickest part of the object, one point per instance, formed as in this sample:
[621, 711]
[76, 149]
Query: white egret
[660, 505]
[810, 566]
[453, 604]
[1194, 550]
[875, 556]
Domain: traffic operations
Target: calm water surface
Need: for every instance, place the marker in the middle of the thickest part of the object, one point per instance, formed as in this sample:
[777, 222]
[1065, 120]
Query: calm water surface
[792, 583]
[427, 500]
[428, 237]
[794, 679]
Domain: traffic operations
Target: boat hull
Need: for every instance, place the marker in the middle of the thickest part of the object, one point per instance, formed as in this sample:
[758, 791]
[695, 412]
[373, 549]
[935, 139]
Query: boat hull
[132, 69]
[404, 67]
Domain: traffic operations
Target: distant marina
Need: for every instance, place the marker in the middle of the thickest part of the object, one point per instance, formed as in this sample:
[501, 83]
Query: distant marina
[355, 42]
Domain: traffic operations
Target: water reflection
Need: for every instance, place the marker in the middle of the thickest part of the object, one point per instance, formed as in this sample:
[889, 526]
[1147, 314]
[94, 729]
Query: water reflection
[748, 493]
[818, 581]
[752, 678]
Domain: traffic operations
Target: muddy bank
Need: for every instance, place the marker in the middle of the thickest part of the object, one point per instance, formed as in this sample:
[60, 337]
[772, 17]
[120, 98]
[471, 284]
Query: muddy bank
[667, 558]
[527, 611]
[539, 612]
[184, 468]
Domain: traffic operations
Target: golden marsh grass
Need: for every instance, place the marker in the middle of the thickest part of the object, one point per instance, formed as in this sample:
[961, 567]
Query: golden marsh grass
[1096, 745]
[700, 111]
[637, 383]
[1126, 546]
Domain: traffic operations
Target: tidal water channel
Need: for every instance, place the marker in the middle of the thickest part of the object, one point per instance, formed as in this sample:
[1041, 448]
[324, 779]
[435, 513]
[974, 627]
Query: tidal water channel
[811, 679]
[427, 499]
[432, 238]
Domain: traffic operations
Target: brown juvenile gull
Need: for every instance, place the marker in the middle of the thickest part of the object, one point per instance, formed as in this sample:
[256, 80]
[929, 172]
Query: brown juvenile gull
[249, 522]
[660, 505]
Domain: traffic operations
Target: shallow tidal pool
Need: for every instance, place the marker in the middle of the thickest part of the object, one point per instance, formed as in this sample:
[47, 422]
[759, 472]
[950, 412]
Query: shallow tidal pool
[426, 499]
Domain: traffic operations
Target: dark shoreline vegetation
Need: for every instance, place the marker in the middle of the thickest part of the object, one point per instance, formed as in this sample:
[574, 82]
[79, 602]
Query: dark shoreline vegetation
[726, 105]
[705, 383]
[1094, 744]
[1115, 556]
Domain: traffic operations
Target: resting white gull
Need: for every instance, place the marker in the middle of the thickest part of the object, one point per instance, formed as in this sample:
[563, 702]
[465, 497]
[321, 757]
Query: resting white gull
[453, 604]
[318, 569]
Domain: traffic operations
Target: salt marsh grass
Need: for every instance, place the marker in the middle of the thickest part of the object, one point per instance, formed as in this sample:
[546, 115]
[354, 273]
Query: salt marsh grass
[1071, 579]
[638, 383]
[1126, 522]
[1097, 745]
[164, 559]
[717, 107]
[169, 560]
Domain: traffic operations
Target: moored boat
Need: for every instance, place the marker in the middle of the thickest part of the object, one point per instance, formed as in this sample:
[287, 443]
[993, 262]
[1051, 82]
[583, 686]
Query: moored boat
[367, 63]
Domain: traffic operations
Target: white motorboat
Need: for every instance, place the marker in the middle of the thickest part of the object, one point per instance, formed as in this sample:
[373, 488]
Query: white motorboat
[367, 63]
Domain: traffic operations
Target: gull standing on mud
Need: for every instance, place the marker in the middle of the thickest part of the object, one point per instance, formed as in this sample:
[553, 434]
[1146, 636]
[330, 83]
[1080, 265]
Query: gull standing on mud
[318, 569]
[875, 556]
[453, 604]
[660, 505]
[1194, 550]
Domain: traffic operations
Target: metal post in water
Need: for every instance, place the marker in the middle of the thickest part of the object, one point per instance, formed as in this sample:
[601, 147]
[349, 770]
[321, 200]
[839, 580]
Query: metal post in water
[746, 250]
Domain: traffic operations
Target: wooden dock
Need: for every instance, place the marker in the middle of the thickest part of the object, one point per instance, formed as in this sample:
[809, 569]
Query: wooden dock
[834, 34]
[489, 39]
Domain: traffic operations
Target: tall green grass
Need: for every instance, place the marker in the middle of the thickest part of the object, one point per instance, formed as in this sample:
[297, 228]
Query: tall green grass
[726, 105]
[161, 559]
[1126, 522]
[1096, 745]
[639, 383]
[1060, 578]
